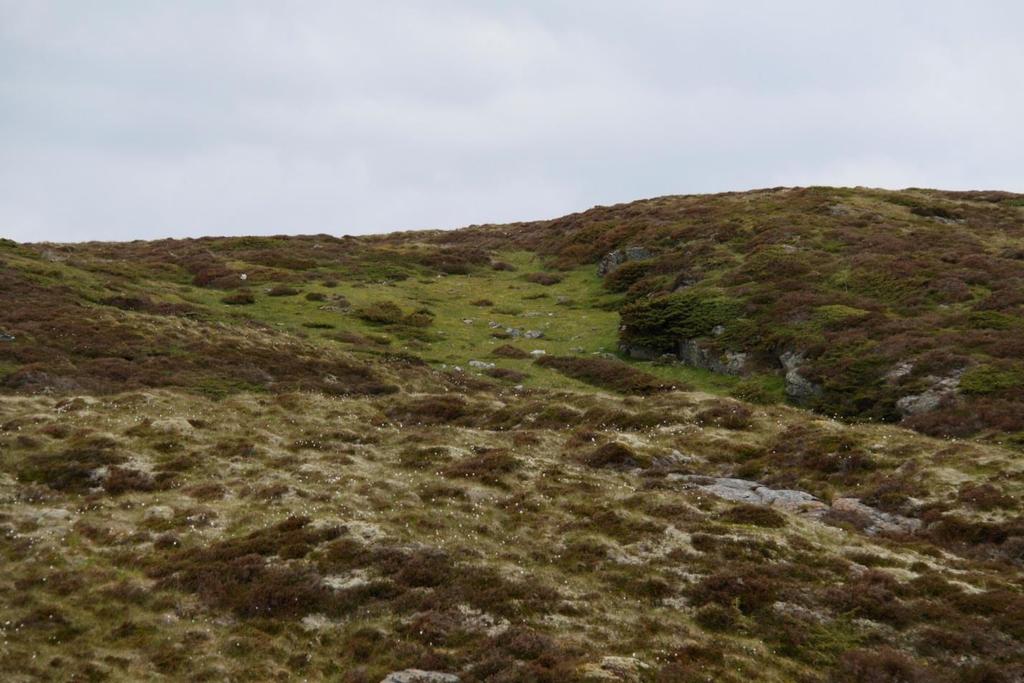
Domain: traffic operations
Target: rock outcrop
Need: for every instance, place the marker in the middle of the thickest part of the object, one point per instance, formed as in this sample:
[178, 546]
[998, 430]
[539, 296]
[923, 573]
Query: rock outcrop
[419, 676]
[746, 491]
[942, 390]
[871, 520]
[799, 389]
[614, 259]
[695, 354]
[852, 510]
[516, 333]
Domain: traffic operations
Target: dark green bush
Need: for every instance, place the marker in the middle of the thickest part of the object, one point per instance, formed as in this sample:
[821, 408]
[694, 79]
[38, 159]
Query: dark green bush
[659, 324]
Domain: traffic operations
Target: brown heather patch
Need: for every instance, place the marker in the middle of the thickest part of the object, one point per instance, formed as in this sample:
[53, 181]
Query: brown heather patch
[489, 467]
[606, 374]
[726, 414]
[506, 374]
[755, 515]
[546, 279]
[509, 351]
[613, 455]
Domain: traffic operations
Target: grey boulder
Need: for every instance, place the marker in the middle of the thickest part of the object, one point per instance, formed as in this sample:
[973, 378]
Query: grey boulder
[419, 676]
[798, 388]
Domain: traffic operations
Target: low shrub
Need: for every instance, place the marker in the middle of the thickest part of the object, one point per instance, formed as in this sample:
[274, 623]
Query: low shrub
[716, 617]
[727, 415]
[987, 379]
[233, 574]
[488, 467]
[350, 337]
[381, 313]
[872, 595]
[509, 351]
[506, 374]
[612, 455]
[540, 278]
[658, 324]
[755, 515]
[123, 480]
[422, 458]
[825, 452]
[145, 304]
[607, 374]
[626, 275]
[984, 497]
[390, 313]
[282, 290]
[430, 410]
[71, 471]
[753, 391]
[744, 587]
[884, 665]
[242, 298]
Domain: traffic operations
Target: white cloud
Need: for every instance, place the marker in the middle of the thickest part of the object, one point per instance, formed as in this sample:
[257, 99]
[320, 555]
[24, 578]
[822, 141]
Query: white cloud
[128, 119]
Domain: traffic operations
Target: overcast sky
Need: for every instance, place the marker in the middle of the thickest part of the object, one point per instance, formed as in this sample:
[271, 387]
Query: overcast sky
[141, 119]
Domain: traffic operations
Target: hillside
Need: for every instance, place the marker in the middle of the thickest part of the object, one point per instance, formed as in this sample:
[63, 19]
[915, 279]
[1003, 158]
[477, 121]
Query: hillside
[773, 435]
[878, 296]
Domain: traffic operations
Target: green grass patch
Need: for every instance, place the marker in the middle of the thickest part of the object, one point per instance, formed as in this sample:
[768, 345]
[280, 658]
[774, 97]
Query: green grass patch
[986, 379]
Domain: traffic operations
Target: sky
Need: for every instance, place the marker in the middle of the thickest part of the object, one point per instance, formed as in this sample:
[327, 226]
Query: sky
[141, 119]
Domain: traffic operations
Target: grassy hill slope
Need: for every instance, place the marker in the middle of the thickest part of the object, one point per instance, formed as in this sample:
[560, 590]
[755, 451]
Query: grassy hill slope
[331, 459]
[884, 295]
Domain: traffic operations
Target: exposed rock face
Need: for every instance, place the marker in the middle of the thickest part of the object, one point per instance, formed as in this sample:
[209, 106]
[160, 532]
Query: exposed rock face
[875, 521]
[746, 491]
[869, 519]
[516, 333]
[419, 676]
[798, 388]
[943, 389]
[899, 371]
[916, 404]
[614, 259]
[693, 353]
